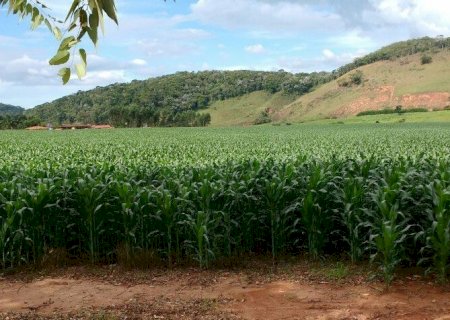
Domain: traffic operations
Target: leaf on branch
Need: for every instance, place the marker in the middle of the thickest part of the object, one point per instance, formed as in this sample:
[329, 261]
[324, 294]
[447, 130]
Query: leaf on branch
[83, 56]
[64, 73]
[81, 70]
[67, 43]
[109, 7]
[74, 5]
[61, 57]
[93, 35]
[93, 19]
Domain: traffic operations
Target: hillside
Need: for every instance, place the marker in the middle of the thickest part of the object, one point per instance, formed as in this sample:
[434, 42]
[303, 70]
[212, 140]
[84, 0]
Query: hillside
[171, 100]
[7, 109]
[243, 111]
[389, 77]
[385, 84]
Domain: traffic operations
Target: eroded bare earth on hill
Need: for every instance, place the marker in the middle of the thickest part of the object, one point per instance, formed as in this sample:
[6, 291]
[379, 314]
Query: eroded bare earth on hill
[193, 294]
[383, 97]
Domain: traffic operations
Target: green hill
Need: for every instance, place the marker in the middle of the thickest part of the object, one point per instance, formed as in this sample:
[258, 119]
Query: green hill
[403, 81]
[408, 74]
[390, 77]
[243, 111]
[172, 100]
[7, 109]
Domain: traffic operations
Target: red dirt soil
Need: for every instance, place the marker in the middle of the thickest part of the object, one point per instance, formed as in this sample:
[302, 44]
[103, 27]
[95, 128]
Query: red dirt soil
[383, 97]
[193, 294]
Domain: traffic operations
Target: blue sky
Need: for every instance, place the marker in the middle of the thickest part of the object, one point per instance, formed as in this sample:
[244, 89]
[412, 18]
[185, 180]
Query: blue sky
[156, 38]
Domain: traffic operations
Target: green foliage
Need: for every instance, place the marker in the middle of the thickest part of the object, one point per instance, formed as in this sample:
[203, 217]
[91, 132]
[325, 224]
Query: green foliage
[438, 229]
[207, 194]
[426, 59]
[6, 109]
[303, 83]
[398, 109]
[357, 77]
[263, 117]
[17, 121]
[164, 101]
[84, 17]
[354, 79]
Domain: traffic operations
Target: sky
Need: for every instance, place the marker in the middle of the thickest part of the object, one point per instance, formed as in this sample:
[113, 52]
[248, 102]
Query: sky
[155, 38]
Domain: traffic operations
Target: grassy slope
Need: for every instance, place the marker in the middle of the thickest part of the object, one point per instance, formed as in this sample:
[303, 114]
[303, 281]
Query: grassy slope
[244, 110]
[406, 75]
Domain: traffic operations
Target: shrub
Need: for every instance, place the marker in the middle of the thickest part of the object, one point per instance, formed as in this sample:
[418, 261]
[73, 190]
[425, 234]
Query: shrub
[344, 82]
[357, 77]
[262, 118]
[398, 109]
[426, 59]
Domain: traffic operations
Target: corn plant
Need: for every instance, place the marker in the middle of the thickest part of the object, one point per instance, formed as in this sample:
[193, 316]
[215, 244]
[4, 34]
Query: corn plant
[314, 216]
[389, 226]
[351, 200]
[90, 193]
[438, 232]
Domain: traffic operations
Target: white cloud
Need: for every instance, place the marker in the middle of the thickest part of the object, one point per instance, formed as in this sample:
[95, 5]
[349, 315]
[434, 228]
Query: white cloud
[353, 39]
[328, 54]
[329, 60]
[417, 16]
[286, 17]
[139, 62]
[105, 77]
[255, 49]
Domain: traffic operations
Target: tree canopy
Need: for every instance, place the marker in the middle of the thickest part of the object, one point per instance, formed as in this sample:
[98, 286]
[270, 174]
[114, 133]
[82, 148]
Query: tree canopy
[84, 18]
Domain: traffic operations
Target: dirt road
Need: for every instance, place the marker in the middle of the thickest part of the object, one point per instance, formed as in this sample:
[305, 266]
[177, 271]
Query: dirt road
[77, 293]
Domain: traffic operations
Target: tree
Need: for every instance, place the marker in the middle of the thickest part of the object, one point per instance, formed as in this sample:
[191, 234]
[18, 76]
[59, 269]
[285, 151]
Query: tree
[84, 17]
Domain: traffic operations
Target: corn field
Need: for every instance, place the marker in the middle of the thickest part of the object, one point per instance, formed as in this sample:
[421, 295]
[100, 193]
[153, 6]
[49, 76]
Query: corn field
[371, 192]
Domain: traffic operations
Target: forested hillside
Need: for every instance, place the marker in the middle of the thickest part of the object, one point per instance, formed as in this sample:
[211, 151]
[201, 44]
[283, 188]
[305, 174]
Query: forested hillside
[7, 109]
[169, 100]
[11, 117]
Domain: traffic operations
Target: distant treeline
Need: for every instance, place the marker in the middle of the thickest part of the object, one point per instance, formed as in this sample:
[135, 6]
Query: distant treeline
[174, 100]
[7, 109]
[398, 110]
[17, 121]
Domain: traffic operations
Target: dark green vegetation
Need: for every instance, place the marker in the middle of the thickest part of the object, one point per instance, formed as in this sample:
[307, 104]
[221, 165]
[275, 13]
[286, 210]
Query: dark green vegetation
[379, 192]
[398, 110]
[12, 117]
[426, 59]
[170, 100]
[7, 109]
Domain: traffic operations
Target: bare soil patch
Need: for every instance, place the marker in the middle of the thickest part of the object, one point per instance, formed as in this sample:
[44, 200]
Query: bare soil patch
[293, 292]
[382, 97]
